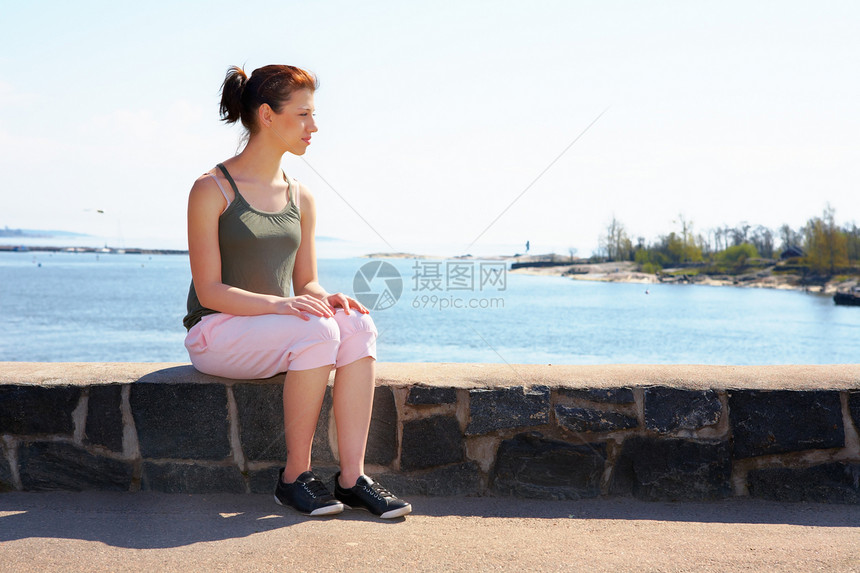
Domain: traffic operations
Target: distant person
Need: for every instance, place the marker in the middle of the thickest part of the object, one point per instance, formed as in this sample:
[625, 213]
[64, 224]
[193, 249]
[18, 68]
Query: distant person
[527, 247]
[250, 237]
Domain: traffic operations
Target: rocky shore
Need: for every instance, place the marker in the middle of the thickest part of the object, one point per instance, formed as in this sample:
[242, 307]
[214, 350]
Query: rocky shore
[626, 271]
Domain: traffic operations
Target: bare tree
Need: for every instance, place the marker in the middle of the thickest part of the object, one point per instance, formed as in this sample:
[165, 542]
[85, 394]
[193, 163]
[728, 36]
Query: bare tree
[740, 233]
[615, 243]
[852, 237]
[762, 240]
[789, 237]
[718, 239]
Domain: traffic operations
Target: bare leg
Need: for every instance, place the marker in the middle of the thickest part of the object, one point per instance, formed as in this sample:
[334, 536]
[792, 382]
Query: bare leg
[304, 391]
[353, 404]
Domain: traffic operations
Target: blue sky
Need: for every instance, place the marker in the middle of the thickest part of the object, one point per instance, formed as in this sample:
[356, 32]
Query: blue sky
[434, 117]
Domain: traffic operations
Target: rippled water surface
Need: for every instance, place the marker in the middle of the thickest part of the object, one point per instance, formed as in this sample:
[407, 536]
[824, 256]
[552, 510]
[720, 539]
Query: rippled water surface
[87, 307]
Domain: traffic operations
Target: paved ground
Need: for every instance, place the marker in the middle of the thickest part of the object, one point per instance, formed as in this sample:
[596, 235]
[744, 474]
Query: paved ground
[71, 532]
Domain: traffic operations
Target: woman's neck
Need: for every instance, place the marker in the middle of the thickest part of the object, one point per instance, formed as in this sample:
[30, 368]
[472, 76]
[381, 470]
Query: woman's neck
[260, 160]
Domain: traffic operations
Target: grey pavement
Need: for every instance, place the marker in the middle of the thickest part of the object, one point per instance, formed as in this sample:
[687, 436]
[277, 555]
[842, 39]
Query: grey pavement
[98, 531]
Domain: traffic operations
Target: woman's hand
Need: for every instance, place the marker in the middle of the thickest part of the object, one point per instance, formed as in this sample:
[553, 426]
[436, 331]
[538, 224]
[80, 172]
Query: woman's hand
[341, 300]
[303, 305]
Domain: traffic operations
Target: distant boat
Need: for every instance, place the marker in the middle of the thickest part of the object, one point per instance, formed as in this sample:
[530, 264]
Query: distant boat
[848, 297]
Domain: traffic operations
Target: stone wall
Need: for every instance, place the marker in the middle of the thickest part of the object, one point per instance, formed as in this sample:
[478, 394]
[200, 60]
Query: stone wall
[561, 432]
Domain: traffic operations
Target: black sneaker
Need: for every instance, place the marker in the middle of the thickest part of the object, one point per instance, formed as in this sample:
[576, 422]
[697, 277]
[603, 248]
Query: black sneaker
[371, 496]
[307, 495]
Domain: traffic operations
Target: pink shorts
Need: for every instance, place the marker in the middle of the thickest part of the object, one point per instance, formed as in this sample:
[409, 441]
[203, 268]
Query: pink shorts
[251, 347]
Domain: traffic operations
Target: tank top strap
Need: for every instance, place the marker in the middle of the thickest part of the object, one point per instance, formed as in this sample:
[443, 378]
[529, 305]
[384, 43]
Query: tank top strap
[221, 187]
[294, 188]
[230, 179]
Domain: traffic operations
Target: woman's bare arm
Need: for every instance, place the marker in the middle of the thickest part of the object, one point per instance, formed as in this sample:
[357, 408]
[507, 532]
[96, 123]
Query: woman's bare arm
[305, 277]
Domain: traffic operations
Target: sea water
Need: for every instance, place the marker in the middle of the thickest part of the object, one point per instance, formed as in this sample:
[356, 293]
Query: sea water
[129, 308]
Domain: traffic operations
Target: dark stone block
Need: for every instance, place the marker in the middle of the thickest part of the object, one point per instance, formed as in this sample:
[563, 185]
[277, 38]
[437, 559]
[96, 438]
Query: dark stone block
[181, 420]
[48, 466]
[264, 480]
[190, 478]
[429, 442]
[530, 465]
[854, 407]
[261, 423]
[779, 421]
[28, 410]
[420, 395]
[507, 408]
[606, 395]
[382, 439]
[671, 409]
[6, 481]
[588, 420]
[104, 417]
[672, 469]
[826, 483]
[458, 479]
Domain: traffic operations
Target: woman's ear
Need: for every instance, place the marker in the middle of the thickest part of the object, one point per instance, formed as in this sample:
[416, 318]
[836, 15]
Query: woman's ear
[264, 115]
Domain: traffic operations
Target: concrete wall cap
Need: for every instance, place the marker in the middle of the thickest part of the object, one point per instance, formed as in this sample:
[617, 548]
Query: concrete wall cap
[472, 375]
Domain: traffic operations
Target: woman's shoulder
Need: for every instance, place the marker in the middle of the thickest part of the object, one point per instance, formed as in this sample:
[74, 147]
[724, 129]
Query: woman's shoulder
[306, 198]
[209, 188]
[210, 179]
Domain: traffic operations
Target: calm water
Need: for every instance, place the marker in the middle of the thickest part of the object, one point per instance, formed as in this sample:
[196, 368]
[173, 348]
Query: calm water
[84, 307]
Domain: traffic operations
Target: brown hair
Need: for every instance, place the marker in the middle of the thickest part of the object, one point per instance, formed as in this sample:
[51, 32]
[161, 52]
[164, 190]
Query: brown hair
[241, 96]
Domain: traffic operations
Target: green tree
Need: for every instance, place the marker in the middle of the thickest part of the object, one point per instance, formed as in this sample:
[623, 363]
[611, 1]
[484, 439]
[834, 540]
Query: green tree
[674, 248]
[649, 260]
[826, 244]
[690, 250]
[736, 256]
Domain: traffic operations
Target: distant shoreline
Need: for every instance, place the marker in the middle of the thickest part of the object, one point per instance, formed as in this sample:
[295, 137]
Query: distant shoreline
[626, 272]
[96, 250]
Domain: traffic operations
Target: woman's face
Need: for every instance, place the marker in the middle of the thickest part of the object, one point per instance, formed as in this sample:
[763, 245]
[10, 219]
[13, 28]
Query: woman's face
[295, 124]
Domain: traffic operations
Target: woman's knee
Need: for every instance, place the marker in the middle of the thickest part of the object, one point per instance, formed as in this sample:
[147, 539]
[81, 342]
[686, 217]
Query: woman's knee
[354, 322]
[357, 337]
[321, 328]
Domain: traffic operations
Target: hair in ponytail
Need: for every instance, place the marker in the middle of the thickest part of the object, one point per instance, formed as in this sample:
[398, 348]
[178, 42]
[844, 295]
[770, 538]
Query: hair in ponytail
[231, 94]
[241, 96]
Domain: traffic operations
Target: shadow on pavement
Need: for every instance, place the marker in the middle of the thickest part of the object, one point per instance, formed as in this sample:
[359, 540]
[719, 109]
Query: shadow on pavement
[736, 510]
[144, 520]
[152, 520]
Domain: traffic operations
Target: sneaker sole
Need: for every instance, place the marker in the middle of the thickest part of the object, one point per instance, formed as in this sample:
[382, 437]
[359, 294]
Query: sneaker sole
[399, 512]
[327, 510]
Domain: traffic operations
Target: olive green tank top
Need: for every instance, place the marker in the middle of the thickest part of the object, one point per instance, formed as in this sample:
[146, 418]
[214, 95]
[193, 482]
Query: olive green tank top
[258, 249]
